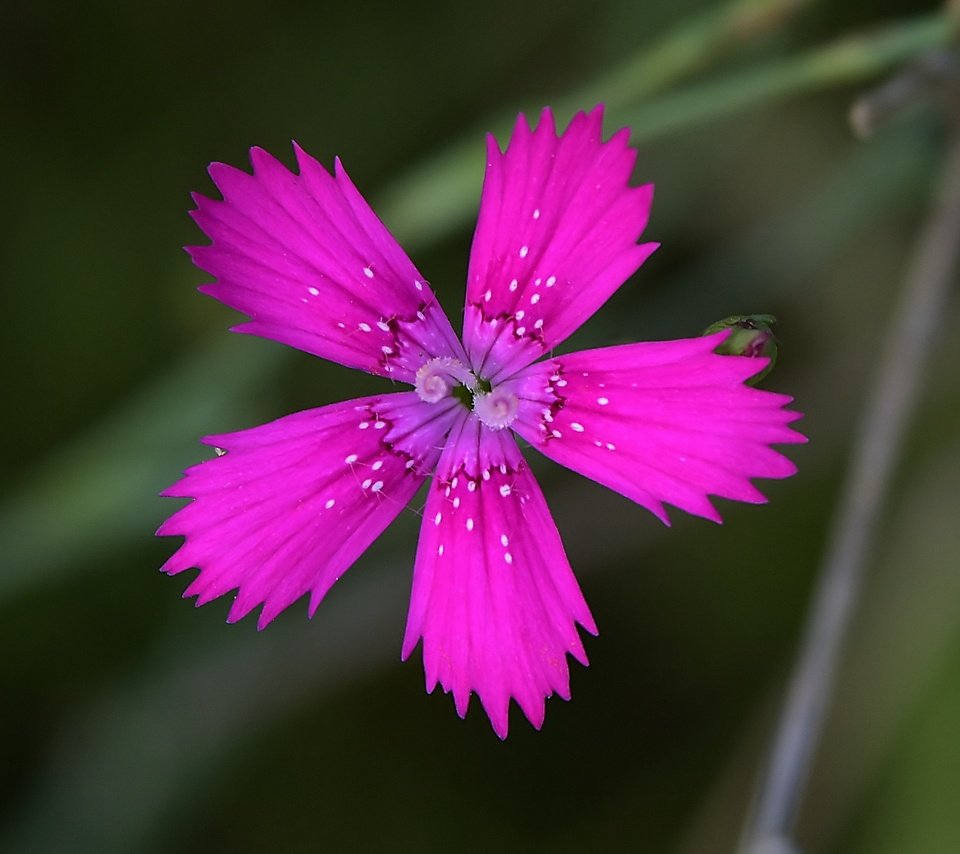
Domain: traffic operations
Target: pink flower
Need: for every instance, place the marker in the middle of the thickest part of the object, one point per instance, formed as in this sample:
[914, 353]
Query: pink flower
[285, 509]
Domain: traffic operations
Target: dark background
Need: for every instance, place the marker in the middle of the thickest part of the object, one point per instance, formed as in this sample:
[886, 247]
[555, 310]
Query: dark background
[132, 722]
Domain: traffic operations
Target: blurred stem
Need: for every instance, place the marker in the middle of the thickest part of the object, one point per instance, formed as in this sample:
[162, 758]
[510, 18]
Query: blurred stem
[693, 44]
[428, 202]
[845, 61]
[877, 446]
[440, 195]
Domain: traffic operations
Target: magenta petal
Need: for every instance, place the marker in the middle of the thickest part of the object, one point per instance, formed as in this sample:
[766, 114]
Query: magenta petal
[290, 505]
[556, 236]
[309, 262]
[494, 598]
[661, 422]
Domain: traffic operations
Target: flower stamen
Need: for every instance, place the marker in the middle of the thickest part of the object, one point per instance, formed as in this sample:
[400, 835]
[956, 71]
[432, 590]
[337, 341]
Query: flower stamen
[497, 408]
[441, 377]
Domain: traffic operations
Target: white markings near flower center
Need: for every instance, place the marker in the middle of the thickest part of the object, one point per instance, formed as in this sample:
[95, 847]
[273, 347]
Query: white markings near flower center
[507, 557]
[384, 327]
[534, 299]
[368, 272]
[313, 292]
[505, 490]
[504, 541]
[523, 251]
[602, 401]
[469, 524]
[536, 214]
[379, 425]
[364, 425]
[330, 503]
[513, 284]
[440, 550]
[437, 518]
[351, 459]
[378, 486]
[364, 327]
[377, 465]
[576, 427]
[366, 484]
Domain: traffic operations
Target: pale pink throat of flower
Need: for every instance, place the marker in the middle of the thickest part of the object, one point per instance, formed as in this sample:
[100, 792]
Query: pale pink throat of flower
[445, 377]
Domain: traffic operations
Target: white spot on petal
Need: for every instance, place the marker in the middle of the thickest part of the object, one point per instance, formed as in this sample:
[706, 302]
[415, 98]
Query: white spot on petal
[534, 299]
[523, 251]
[469, 524]
[507, 557]
[551, 281]
[611, 446]
[379, 425]
[368, 272]
[576, 427]
[536, 214]
[378, 486]
[440, 550]
[313, 292]
[437, 518]
[366, 484]
[488, 296]
[602, 401]
[330, 503]
[364, 327]
[377, 465]
[384, 327]
[364, 425]
[456, 503]
[504, 541]
[418, 285]
[505, 490]
[513, 284]
[351, 459]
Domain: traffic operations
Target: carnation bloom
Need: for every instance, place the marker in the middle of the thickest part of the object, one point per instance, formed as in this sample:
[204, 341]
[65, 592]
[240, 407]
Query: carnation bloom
[286, 508]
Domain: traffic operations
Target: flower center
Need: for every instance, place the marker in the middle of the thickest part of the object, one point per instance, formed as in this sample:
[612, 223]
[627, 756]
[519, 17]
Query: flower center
[441, 377]
[497, 408]
[445, 377]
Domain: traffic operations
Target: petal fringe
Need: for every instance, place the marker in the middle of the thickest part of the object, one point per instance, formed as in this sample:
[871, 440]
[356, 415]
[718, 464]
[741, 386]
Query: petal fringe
[556, 236]
[660, 422]
[286, 508]
[494, 598]
[309, 262]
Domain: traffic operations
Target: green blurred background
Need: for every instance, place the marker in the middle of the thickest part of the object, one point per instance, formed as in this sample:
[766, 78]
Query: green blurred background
[133, 722]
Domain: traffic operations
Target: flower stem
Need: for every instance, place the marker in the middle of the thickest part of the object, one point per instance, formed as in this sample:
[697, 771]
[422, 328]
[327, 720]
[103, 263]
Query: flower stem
[876, 449]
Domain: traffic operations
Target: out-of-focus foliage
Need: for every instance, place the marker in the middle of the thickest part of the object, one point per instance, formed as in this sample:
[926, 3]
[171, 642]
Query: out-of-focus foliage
[132, 722]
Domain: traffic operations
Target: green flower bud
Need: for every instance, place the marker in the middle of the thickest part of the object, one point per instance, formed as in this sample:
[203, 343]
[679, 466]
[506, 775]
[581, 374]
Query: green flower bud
[752, 336]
